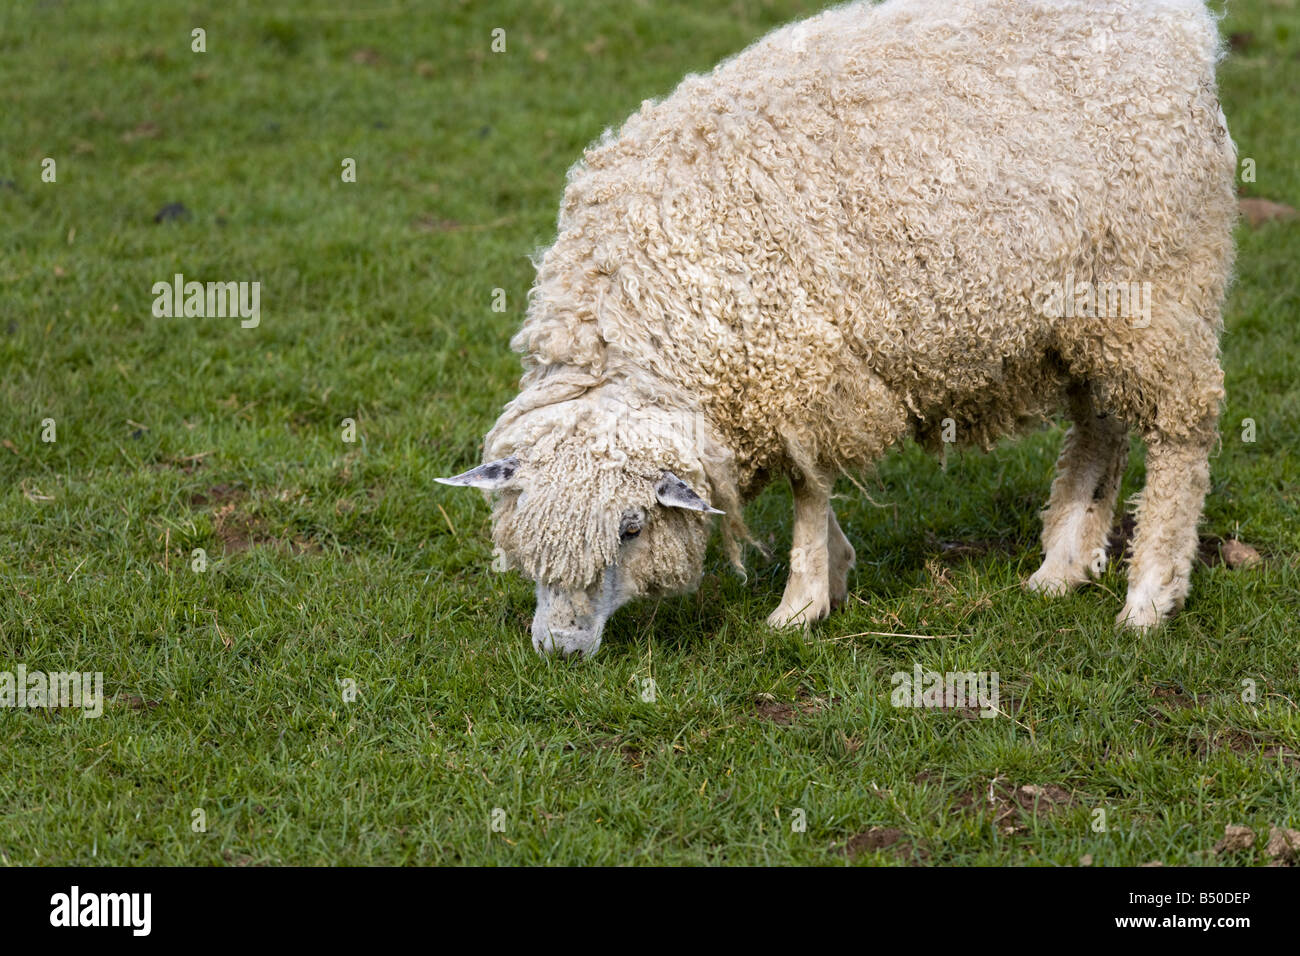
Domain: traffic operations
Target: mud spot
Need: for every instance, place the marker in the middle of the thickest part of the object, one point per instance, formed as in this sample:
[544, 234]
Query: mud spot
[145, 130]
[172, 212]
[963, 801]
[135, 702]
[1235, 839]
[977, 547]
[1283, 847]
[767, 707]
[631, 754]
[1176, 696]
[879, 839]
[238, 530]
[778, 712]
[216, 495]
[1285, 754]
[1011, 807]
[1245, 744]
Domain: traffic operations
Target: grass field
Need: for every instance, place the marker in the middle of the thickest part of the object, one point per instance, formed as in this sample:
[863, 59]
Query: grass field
[335, 561]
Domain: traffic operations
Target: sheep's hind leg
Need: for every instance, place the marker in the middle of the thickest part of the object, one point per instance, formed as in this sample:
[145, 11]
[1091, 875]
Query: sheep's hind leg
[1159, 577]
[807, 596]
[1079, 513]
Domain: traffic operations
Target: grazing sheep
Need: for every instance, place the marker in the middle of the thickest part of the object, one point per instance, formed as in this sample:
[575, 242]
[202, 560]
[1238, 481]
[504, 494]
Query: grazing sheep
[921, 217]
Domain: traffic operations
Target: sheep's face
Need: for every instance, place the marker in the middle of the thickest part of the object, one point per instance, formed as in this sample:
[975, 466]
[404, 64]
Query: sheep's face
[592, 538]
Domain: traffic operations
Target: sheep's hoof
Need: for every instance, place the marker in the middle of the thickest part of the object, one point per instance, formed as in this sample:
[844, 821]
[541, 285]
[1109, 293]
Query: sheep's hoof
[1050, 582]
[800, 614]
[1139, 617]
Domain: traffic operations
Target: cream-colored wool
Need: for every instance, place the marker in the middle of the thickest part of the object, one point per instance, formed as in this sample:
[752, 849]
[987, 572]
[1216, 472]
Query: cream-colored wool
[847, 234]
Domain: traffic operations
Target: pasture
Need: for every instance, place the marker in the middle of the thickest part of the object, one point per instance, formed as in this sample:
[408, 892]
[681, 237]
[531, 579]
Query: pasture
[332, 562]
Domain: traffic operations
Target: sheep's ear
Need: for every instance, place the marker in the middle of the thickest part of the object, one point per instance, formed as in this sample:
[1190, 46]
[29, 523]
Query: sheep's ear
[672, 492]
[492, 475]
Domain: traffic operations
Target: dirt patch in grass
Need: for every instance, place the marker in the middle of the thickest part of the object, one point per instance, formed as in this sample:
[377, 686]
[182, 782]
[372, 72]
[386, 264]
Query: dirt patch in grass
[777, 711]
[135, 702]
[974, 548]
[239, 530]
[879, 839]
[1235, 839]
[172, 212]
[1008, 706]
[964, 801]
[1282, 847]
[1178, 697]
[1009, 806]
[1242, 742]
[631, 754]
[216, 495]
[767, 707]
[1288, 756]
[186, 464]
[1013, 806]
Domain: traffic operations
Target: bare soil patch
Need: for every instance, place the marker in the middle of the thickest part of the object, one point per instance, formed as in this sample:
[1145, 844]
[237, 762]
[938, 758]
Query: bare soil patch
[767, 707]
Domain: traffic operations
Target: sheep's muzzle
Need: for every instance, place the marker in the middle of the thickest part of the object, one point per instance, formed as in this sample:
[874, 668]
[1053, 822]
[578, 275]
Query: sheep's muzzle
[570, 622]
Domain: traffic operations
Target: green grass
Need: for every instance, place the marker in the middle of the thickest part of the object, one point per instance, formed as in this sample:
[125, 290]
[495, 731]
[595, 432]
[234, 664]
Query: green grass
[334, 561]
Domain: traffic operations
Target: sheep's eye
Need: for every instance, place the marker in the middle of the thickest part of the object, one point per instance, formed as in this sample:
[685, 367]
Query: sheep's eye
[630, 526]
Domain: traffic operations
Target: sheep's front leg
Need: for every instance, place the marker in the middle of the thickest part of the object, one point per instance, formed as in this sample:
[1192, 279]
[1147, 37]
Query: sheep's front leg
[807, 595]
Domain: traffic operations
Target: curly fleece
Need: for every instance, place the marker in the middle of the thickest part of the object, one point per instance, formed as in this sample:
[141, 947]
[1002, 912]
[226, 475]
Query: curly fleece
[846, 234]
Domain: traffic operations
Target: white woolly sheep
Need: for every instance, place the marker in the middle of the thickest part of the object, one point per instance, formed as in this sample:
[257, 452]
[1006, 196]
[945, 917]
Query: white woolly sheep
[864, 225]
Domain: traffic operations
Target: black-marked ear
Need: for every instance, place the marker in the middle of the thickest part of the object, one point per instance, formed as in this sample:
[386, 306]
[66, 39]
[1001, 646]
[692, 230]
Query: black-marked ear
[492, 475]
[672, 492]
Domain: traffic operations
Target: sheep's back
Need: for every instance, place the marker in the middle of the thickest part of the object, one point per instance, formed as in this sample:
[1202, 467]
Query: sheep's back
[890, 189]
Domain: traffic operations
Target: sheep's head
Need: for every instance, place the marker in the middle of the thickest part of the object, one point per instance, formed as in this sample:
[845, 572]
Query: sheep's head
[592, 535]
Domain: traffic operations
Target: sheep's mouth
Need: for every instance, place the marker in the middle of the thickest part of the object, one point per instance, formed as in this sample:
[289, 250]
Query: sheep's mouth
[560, 646]
[574, 643]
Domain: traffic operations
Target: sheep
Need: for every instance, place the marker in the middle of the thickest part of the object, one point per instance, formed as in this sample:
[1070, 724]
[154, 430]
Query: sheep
[932, 219]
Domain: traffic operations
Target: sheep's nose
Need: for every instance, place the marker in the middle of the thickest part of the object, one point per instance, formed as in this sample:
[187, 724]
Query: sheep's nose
[574, 642]
[561, 642]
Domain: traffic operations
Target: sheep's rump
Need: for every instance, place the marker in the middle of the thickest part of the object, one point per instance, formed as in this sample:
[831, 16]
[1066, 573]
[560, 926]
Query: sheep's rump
[859, 218]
